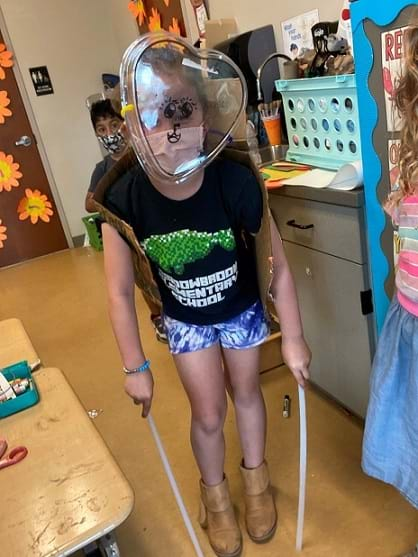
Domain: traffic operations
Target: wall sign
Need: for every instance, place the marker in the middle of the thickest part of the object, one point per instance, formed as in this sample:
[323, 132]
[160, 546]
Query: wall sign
[392, 61]
[41, 81]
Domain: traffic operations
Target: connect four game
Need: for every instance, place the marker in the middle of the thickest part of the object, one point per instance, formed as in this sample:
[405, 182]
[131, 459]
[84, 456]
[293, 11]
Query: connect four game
[322, 120]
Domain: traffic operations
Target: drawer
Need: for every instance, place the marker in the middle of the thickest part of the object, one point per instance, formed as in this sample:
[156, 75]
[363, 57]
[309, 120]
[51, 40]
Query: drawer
[333, 229]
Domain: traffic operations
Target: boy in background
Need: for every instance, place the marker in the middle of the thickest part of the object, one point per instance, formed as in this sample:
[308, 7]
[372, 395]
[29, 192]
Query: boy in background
[107, 123]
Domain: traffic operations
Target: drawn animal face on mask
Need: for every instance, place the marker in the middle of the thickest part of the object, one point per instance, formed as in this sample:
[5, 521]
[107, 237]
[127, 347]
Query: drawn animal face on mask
[180, 105]
[175, 132]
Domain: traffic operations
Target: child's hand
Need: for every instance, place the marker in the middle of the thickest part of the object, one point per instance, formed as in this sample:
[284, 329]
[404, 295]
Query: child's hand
[140, 386]
[297, 357]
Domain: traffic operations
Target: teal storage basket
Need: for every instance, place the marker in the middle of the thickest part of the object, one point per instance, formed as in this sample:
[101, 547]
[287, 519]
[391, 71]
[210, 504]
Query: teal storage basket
[95, 236]
[25, 400]
[322, 120]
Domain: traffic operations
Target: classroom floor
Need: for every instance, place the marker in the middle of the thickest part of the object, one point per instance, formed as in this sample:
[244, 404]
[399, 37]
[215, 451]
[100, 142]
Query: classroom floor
[61, 301]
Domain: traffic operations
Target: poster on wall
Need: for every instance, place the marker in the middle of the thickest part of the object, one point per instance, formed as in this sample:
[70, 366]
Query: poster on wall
[394, 146]
[157, 15]
[41, 81]
[392, 56]
[297, 34]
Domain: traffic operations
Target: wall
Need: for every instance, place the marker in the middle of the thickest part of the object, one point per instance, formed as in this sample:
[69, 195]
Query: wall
[78, 41]
[125, 28]
[250, 14]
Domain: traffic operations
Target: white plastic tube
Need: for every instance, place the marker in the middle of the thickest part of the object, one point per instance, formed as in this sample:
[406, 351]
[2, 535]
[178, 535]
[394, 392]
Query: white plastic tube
[302, 468]
[174, 487]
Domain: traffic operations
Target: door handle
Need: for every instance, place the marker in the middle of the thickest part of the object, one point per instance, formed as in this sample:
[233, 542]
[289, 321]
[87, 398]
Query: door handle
[294, 224]
[24, 141]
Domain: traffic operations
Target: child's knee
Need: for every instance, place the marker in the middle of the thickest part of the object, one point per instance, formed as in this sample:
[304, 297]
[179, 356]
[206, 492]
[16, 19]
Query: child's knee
[246, 395]
[209, 423]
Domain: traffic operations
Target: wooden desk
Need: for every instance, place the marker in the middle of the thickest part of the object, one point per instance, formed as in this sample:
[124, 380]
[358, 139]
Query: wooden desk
[69, 490]
[15, 344]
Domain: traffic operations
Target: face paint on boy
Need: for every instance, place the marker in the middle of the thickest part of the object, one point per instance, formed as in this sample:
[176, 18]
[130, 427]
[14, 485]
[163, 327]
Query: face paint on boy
[114, 144]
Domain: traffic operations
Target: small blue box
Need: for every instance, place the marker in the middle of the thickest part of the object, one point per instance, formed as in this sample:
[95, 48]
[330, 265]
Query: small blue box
[27, 399]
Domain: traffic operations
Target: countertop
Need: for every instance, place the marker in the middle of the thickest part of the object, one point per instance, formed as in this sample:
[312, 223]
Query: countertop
[353, 198]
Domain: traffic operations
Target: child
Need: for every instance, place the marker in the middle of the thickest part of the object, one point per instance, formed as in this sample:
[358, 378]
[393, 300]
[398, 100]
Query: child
[108, 124]
[390, 447]
[198, 236]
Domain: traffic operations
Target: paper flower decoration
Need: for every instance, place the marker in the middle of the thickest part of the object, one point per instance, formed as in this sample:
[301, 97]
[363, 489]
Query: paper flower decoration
[9, 172]
[174, 27]
[34, 206]
[3, 235]
[5, 61]
[154, 21]
[137, 8]
[4, 102]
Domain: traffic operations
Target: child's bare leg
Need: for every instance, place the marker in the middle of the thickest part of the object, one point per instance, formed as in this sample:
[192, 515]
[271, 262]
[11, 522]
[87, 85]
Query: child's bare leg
[228, 385]
[203, 379]
[243, 369]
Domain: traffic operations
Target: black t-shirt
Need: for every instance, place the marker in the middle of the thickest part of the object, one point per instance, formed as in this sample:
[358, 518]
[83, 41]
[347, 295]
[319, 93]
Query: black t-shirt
[100, 170]
[201, 249]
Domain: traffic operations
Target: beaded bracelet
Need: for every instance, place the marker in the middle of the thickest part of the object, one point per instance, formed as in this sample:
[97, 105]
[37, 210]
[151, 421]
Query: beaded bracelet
[145, 366]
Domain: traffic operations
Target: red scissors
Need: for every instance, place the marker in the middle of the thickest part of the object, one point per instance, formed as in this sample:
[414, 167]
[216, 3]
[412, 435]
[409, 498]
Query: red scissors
[16, 455]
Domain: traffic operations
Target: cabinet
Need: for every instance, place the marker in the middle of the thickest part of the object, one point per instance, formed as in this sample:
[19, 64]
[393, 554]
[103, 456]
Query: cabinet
[323, 237]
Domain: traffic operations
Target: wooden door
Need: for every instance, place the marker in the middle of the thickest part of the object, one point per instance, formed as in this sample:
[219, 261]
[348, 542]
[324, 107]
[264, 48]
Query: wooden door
[29, 222]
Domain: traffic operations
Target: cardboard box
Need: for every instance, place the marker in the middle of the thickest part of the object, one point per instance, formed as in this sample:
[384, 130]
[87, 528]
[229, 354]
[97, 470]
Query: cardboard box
[219, 30]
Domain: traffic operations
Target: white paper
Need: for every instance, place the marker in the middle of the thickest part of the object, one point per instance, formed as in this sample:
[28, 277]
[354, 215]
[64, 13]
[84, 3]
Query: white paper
[297, 31]
[344, 25]
[6, 388]
[316, 178]
[348, 177]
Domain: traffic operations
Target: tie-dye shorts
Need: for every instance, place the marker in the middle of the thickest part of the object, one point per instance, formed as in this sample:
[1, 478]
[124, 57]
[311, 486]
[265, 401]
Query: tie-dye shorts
[246, 330]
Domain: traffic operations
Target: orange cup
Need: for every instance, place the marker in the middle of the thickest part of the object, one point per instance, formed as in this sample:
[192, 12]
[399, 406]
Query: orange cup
[273, 129]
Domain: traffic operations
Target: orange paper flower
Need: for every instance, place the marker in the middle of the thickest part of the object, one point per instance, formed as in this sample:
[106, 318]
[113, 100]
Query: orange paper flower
[154, 23]
[174, 27]
[9, 172]
[36, 206]
[137, 8]
[4, 102]
[5, 61]
[3, 235]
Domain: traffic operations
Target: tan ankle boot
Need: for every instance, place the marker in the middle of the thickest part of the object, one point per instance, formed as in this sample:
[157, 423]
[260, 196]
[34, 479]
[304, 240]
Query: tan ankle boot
[260, 509]
[217, 515]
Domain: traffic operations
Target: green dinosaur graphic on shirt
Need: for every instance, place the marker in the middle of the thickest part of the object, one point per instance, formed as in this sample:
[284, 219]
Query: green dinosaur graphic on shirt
[175, 250]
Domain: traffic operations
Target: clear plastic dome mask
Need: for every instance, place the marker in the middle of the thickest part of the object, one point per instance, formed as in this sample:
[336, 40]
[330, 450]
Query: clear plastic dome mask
[181, 104]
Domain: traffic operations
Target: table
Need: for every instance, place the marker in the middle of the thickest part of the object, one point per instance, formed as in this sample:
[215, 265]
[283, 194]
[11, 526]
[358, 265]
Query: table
[15, 344]
[68, 491]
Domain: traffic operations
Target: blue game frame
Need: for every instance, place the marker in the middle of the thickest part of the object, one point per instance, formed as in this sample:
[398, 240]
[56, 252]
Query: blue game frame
[382, 13]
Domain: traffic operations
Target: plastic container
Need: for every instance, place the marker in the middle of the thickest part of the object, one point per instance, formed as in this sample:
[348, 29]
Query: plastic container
[93, 232]
[27, 399]
[322, 120]
[252, 143]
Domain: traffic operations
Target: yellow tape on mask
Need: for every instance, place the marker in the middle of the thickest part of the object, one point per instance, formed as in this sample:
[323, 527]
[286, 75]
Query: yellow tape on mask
[126, 108]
